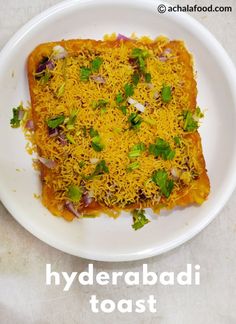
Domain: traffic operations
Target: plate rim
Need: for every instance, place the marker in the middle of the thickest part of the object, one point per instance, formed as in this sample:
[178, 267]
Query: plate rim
[131, 256]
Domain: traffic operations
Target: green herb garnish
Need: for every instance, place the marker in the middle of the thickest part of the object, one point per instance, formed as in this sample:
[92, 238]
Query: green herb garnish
[140, 55]
[139, 219]
[199, 114]
[138, 52]
[177, 140]
[135, 78]
[70, 138]
[71, 120]
[190, 124]
[85, 73]
[147, 77]
[135, 120]
[100, 169]
[119, 98]
[162, 149]
[74, 193]
[129, 90]
[93, 132]
[96, 63]
[45, 76]
[166, 185]
[100, 104]
[55, 121]
[136, 150]
[166, 93]
[15, 121]
[133, 166]
[97, 144]
[123, 109]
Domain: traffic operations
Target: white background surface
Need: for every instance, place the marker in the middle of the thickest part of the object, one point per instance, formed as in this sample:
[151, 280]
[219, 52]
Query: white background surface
[24, 297]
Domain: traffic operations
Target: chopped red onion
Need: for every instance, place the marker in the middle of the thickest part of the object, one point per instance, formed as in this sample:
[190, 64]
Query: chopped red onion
[48, 163]
[150, 85]
[48, 64]
[62, 139]
[94, 160]
[87, 199]
[59, 52]
[175, 173]
[162, 58]
[156, 95]
[122, 37]
[29, 125]
[167, 51]
[72, 209]
[136, 104]
[98, 79]
[53, 131]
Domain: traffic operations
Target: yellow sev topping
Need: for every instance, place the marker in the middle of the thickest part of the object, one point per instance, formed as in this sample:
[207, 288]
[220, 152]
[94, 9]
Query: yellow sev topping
[170, 65]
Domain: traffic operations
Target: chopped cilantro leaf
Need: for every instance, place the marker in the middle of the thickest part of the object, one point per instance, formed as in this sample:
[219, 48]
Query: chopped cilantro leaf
[55, 121]
[133, 166]
[123, 109]
[139, 146]
[142, 64]
[101, 168]
[199, 113]
[97, 144]
[101, 103]
[166, 93]
[129, 89]
[135, 120]
[15, 121]
[70, 138]
[135, 78]
[190, 124]
[148, 77]
[85, 73]
[136, 150]
[161, 148]
[119, 98]
[139, 219]
[177, 140]
[71, 120]
[93, 132]
[140, 55]
[138, 52]
[166, 185]
[96, 63]
[134, 153]
[74, 193]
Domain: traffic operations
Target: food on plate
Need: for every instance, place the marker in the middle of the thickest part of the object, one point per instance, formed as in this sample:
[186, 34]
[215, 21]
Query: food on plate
[115, 124]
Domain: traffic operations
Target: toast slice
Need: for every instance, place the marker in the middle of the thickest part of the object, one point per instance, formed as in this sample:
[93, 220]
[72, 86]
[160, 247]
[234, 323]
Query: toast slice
[116, 126]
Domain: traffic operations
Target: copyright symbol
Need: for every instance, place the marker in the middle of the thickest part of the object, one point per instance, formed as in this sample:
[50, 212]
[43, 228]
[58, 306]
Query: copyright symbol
[161, 8]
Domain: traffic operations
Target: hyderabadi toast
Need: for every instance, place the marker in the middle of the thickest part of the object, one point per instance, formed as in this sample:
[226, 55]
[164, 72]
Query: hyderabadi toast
[116, 126]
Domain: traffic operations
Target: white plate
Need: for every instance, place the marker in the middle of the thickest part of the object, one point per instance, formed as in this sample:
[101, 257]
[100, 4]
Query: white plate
[104, 238]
